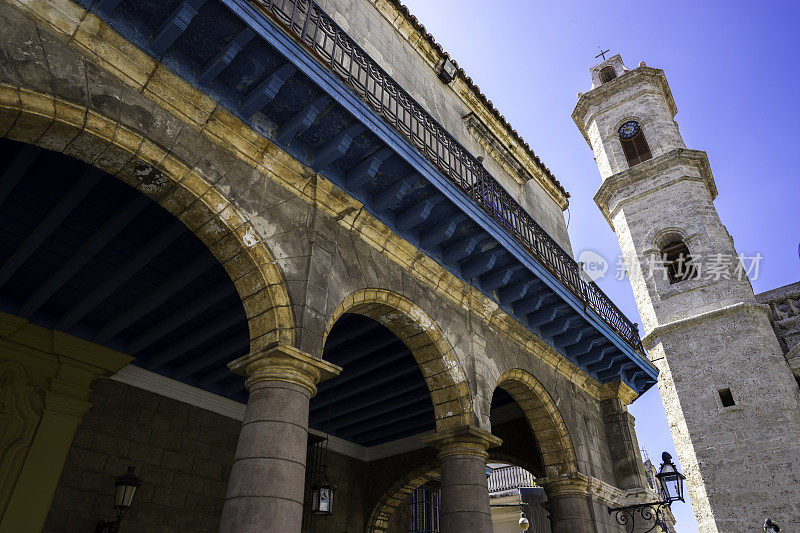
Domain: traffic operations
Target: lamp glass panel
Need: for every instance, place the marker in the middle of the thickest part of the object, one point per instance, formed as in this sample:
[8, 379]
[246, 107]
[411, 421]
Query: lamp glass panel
[130, 492]
[315, 499]
[325, 498]
[124, 495]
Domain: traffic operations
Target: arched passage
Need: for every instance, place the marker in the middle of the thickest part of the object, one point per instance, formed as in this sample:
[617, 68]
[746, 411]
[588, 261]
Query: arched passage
[112, 239]
[384, 514]
[544, 420]
[444, 377]
[109, 145]
[384, 510]
[381, 394]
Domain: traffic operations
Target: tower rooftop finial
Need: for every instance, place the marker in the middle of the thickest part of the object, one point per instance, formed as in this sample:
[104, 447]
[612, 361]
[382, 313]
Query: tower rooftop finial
[602, 52]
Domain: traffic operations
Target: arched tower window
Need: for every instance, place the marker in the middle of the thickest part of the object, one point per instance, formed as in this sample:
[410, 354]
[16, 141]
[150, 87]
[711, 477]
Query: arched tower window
[607, 74]
[633, 143]
[678, 262]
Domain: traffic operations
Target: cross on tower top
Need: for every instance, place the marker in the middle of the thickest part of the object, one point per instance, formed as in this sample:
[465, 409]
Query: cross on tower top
[602, 53]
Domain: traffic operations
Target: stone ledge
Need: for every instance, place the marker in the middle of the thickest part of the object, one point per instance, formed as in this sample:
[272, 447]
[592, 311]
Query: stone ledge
[616, 85]
[653, 335]
[646, 170]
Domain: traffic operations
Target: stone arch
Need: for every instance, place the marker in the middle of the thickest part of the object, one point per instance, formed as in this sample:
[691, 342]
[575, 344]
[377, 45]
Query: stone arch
[658, 238]
[108, 144]
[544, 419]
[446, 380]
[386, 506]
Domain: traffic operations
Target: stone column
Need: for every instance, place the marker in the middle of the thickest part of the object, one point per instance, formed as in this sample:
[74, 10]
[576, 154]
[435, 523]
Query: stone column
[576, 503]
[267, 481]
[464, 504]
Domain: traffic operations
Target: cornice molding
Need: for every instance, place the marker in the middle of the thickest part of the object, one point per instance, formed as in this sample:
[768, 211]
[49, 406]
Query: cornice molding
[646, 170]
[649, 340]
[581, 484]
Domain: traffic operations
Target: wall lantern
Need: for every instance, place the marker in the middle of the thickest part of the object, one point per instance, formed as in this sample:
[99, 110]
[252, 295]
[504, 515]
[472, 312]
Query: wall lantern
[670, 479]
[322, 495]
[448, 72]
[125, 487]
[322, 498]
[639, 516]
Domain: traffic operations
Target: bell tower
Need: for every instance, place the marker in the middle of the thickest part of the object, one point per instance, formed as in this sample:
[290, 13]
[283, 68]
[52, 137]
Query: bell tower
[730, 398]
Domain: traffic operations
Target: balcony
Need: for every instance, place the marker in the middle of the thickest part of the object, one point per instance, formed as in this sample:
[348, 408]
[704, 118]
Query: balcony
[509, 478]
[287, 69]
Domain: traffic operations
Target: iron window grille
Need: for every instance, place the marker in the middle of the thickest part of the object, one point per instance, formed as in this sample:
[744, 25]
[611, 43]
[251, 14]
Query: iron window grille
[425, 510]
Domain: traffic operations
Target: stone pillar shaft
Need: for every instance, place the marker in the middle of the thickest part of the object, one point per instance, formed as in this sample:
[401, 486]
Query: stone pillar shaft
[571, 513]
[266, 486]
[464, 493]
[580, 504]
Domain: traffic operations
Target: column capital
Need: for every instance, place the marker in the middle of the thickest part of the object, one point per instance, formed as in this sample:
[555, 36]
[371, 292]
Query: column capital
[465, 440]
[281, 362]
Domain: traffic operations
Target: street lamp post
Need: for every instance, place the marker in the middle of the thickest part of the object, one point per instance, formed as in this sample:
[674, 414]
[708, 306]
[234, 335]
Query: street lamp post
[671, 490]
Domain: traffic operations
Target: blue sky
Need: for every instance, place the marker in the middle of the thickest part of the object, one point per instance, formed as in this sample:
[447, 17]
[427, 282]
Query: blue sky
[733, 70]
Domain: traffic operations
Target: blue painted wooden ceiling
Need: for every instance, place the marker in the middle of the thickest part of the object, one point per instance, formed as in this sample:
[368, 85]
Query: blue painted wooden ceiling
[82, 252]
[232, 52]
[381, 393]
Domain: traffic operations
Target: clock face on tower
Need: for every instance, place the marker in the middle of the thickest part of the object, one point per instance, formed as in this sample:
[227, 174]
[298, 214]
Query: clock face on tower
[629, 129]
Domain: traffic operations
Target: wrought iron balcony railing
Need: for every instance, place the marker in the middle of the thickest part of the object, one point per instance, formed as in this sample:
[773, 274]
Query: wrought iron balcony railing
[327, 41]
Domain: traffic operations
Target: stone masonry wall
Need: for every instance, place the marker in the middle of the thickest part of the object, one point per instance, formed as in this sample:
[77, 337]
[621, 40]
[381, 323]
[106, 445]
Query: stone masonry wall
[349, 505]
[784, 303]
[183, 454]
[318, 279]
[380, 39]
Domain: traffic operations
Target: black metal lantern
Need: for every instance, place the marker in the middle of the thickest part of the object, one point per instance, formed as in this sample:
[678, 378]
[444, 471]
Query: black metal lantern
[670, 479]
[125, 487]
[646, 517]
[322, 498]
